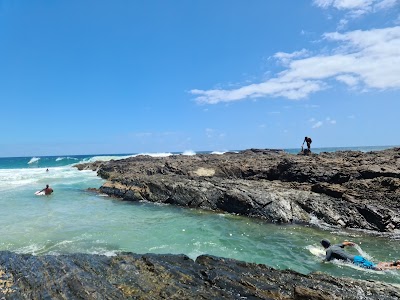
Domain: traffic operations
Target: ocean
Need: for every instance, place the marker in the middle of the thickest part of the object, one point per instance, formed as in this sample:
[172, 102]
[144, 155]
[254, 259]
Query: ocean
[74, 220]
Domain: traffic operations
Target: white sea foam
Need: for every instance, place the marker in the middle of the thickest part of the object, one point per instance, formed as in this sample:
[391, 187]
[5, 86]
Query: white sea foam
[34, 160]
[16, 178]
[106, 158]
[9, 178]
[218, 152]
[362, 253]
[189, 152]
[64, 158]
[31, 249]
[105, 252]
[117, 157]
[317, 251]
[153, 249]
[160, 154]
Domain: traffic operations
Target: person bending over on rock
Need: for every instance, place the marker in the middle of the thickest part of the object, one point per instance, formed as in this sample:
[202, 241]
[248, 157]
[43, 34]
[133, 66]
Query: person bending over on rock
[337, 252]
[308, 141]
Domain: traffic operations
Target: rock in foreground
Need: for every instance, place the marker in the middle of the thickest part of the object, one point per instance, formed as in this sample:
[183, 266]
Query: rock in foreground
[152, 276]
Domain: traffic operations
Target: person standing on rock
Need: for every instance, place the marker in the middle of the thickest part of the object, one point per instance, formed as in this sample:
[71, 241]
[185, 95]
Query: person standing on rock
[307, 140]
[337, 252]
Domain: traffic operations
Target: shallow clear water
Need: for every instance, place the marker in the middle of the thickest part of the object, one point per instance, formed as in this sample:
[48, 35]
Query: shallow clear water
[75, 220]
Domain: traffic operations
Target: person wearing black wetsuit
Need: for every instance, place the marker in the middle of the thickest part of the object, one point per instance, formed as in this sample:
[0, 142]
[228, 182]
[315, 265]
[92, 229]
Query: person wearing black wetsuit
[337, 252]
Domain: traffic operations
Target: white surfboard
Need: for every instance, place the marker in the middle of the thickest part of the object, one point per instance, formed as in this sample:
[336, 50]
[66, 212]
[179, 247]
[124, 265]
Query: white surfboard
[40, 193]
[317, 251]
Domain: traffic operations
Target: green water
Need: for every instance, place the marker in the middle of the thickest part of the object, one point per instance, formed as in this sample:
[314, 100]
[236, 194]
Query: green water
[93, 224]
[75, 220]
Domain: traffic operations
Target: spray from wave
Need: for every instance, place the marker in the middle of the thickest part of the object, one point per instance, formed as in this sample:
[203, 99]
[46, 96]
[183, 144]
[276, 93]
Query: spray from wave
[189, 153]
[66, 158]
[218, 152]
[362, 253]
[33, 160]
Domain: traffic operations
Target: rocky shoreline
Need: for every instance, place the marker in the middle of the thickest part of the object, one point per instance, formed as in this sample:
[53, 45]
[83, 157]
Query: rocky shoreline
[156, 276]
[347, 189]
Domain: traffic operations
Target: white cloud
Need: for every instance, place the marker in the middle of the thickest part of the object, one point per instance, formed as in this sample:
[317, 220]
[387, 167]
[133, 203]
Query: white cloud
[348, 79]
[330, 121]
[342, 24]
[368, 58]
[385, 4]
[276, 87]
[285, 58]
[317, 125]
[353, 9]
[356, 7]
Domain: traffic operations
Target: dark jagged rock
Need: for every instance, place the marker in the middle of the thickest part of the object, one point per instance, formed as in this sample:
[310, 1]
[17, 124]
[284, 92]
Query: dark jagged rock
[349, 189]
[156, 276]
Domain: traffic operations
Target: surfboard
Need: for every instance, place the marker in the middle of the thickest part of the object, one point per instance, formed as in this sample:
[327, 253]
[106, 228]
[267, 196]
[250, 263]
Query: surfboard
[316, 251]
[40, 193]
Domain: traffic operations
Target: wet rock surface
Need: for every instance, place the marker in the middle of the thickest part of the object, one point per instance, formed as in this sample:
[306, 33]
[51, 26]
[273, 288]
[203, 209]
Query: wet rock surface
[347, 189]
[155, 276]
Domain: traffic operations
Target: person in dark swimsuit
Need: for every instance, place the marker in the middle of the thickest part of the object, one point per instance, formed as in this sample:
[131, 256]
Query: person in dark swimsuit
[337, 252]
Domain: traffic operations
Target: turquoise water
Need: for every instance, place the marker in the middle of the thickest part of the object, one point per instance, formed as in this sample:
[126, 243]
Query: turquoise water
[75, 220]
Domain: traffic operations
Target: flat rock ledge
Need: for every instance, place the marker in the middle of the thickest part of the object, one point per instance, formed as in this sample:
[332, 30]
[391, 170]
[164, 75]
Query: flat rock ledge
[347, 189]
[156, 276]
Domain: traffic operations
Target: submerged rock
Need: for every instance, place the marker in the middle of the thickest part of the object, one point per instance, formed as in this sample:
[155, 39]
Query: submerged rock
[348, 189]
[156, 276]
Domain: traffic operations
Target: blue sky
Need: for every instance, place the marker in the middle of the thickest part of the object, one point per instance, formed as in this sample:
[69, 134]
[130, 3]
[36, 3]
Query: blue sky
[92, 77]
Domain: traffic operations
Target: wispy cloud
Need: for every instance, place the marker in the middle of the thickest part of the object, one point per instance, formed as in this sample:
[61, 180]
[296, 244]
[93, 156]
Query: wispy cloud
[367, 58]
[385, 4]
[317, 125]
[348, 79]
[286, 58]
[330, 121]
[212, 133]
[356, 8]
[363, 59]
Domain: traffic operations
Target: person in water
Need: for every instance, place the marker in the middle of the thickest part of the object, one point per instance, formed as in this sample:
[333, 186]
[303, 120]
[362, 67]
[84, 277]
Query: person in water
[337, 252]
[47, 190]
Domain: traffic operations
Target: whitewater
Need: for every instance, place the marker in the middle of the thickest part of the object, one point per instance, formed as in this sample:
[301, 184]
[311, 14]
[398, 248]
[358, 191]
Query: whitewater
[75, 220]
